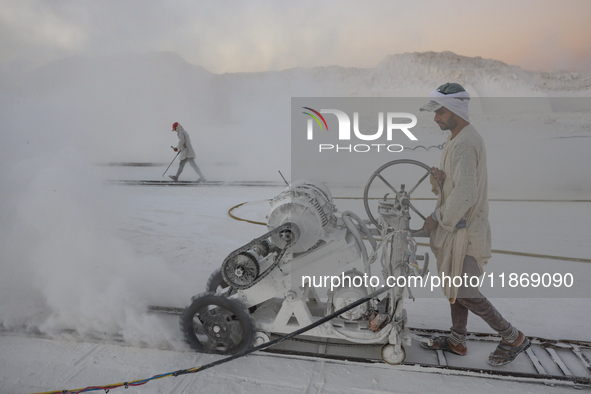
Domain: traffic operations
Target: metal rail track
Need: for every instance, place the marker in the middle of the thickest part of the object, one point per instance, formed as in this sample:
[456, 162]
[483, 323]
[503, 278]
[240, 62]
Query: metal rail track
[148, 182]
[560, 362]
[548, 361]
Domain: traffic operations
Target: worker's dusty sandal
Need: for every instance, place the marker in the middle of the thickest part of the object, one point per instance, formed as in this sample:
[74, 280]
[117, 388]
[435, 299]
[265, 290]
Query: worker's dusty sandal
[441, 343]
[505, 353]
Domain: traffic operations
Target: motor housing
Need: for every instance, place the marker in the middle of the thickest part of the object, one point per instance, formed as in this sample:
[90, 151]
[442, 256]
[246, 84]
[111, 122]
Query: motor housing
[308, 204]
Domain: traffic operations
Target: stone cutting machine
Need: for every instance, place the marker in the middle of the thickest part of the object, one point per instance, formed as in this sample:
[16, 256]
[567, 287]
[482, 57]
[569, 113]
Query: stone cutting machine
[275, 284]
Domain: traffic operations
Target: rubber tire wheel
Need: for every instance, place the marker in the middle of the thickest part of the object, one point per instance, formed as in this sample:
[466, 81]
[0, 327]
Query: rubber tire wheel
[206, 299]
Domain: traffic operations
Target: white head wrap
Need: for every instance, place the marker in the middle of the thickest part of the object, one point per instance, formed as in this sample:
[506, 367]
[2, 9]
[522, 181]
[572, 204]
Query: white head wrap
[455, 102]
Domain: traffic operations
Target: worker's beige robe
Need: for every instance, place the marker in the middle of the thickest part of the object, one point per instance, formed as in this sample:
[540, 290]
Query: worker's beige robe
[464, 196]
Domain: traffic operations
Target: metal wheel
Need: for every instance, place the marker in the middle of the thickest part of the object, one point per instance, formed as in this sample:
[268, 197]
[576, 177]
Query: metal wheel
[261, 337]
[215, 324]
[420, 170]
[240, 271]
[392, 354]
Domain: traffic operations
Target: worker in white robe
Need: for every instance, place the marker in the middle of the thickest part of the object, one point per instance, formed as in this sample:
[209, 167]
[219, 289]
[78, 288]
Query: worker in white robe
[460, 235]
[186, 153]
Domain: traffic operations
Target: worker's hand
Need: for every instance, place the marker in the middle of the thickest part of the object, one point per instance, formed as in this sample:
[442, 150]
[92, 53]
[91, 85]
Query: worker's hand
[175, 149]
[438, 174]
[429, 225]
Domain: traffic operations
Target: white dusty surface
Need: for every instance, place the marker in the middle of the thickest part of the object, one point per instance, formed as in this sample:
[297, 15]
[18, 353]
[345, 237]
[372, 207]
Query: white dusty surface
[76, 365]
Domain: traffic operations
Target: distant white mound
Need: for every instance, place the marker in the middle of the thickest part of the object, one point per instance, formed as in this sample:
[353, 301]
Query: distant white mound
[415, 74]
[486, 77]
[409, 74]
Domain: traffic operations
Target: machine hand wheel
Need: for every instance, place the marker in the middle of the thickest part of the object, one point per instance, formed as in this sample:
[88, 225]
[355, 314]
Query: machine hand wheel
[378, 175]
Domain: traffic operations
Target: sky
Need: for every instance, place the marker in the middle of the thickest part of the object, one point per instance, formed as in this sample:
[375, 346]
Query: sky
[258, 35]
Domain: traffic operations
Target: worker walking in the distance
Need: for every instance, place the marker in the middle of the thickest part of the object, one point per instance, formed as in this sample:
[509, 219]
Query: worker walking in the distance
[187, 154]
